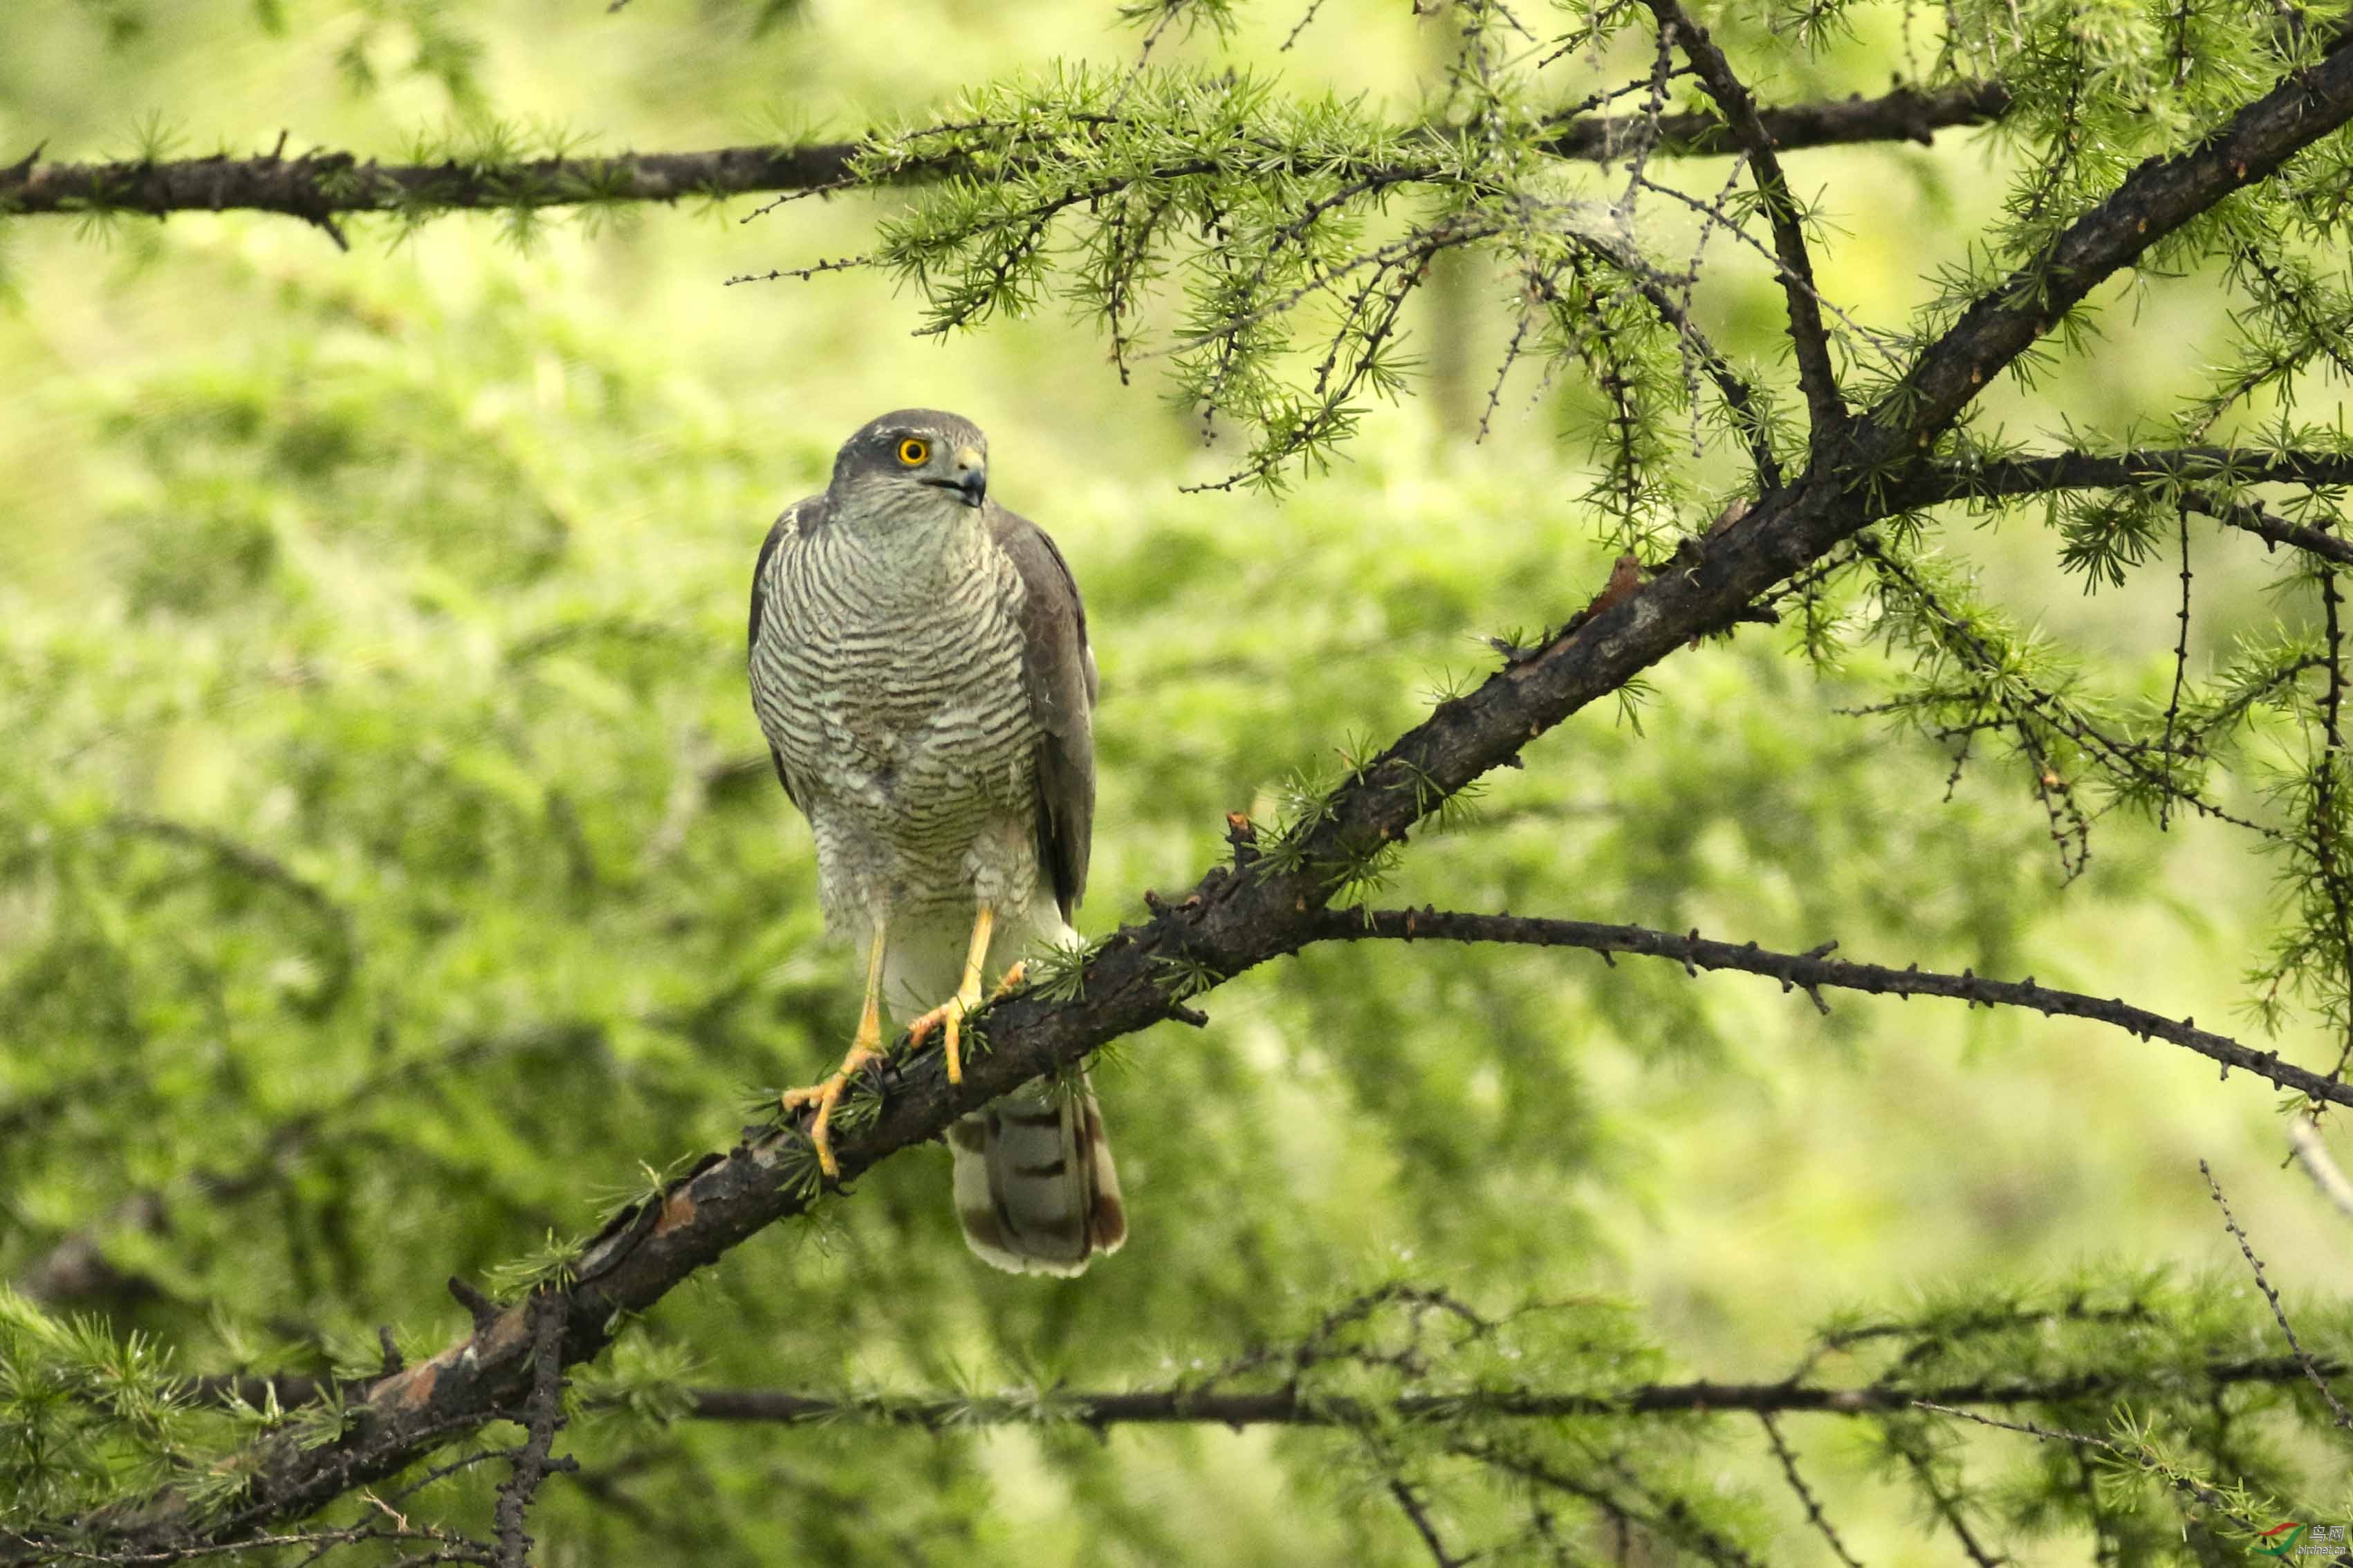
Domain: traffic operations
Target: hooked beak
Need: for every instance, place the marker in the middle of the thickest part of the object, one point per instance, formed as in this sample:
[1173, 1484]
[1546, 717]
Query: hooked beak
[970, 478]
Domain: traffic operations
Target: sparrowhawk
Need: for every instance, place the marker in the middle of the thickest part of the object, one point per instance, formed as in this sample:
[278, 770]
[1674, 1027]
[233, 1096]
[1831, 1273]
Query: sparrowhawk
[920, 666]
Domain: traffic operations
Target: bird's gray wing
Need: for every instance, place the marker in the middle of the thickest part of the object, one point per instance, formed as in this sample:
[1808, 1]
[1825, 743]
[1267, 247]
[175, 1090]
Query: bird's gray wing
[799, 517]
[1059, 668]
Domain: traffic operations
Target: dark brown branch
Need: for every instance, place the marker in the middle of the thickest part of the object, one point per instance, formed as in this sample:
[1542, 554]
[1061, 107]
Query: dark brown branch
[544, 1417]
[1944, 1502]
[1804, 1493]
[318, 186]
[1810, 338]
[1812, 972]
[2190, 465]
[1903, 115]
[1897, 116]
[2268, 525]
[1419, 1517]
[2201, 478]
[1242, 915]
[1289, 1406]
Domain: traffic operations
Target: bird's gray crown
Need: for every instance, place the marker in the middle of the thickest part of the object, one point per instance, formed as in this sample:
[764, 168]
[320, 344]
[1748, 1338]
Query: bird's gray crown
[877, 450]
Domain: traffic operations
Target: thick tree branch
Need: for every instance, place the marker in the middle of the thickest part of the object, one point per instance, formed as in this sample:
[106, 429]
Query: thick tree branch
[1812, 972]
[318, 188]
[1294, 1407]
[1242, 915]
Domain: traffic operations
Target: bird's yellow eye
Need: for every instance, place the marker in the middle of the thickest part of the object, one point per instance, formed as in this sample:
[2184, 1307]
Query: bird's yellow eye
[913, 452]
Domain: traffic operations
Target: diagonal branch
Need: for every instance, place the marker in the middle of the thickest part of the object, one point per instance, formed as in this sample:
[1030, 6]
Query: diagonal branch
[1242, 915]
[1417, 1513]
[318, 187]
[2304, 1358]
[1807, 333]
[1804, 1493]
[1813, 972]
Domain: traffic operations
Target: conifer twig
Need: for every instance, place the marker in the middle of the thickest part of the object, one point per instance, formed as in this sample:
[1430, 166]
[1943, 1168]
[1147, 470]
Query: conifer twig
[2200, 478]
[1805, 1494]
[318, 186]
[2279, 1313]
[1289, 1406]
[2138, 1456]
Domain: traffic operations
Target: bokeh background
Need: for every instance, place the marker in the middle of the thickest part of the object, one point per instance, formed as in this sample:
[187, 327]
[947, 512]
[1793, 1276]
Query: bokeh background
[389, 864]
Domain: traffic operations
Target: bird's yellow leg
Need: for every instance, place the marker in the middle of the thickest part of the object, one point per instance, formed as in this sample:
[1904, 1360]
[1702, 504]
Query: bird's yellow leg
[949, 1016]
[864, 1047]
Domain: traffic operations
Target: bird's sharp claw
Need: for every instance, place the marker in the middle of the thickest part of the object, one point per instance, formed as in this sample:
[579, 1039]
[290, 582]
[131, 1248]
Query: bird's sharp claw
[948, 1018]
[825, 1097]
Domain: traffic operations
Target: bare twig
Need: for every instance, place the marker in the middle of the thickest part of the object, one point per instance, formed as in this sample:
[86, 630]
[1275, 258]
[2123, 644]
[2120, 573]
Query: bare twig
[1807, 334]
[1411, 1502]
[2279, 1313]
[2139, 1457]
[2180, 672]
[1805, 1494]
[1812, 972]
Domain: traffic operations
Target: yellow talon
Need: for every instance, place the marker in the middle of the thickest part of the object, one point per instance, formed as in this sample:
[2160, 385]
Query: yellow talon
[825, 1097]
[949, 1016]
[1011, 982]
[866, 1046]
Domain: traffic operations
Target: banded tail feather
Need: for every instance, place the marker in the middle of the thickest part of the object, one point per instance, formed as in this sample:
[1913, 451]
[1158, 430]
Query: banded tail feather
[1035, 1186]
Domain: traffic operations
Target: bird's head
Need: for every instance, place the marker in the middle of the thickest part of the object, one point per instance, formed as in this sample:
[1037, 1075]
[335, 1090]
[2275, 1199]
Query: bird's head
[915, 461]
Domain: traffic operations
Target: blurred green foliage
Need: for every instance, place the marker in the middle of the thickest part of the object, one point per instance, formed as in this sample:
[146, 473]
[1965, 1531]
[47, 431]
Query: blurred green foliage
[391, 881]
